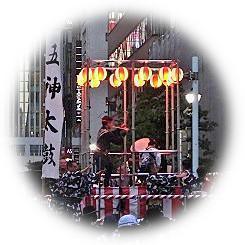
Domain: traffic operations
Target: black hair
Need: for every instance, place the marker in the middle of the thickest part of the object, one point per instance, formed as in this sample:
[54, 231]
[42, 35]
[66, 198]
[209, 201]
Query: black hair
[152, 142]
[70, 162]
[106, 120]
[186, 164]
[201, 172]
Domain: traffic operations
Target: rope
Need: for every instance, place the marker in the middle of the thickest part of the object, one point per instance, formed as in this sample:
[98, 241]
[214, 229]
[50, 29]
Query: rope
[147, 197]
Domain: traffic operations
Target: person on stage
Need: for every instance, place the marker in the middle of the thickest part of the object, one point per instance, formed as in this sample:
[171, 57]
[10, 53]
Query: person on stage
[107, 135]
[150, 159]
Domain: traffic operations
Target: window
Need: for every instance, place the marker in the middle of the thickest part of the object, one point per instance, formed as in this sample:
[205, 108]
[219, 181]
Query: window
[114, 17]
[26, 86]
[26, 76]
[132, 42]
[21, 97]
[35, 150]
[22, 86]
[20, 150]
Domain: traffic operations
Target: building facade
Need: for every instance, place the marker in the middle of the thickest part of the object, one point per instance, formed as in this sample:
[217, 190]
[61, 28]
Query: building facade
[174, 45]
[81, 40]
[28, 107]
[146, 37]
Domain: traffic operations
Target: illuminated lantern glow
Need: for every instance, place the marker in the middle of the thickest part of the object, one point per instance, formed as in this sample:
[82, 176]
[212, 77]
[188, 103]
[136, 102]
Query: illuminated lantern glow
[83, 75]
[165, 75]
[121, 74]
[80, 80]
[145, 73]
[100, 73]
[138, 82]
[155, 81]
[177, 72]
[169, 82]
[92, 75]
[95, 83]
[114, 81]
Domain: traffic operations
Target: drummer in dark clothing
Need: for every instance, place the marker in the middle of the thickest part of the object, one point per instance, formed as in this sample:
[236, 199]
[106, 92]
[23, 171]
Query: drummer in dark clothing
[107, 135]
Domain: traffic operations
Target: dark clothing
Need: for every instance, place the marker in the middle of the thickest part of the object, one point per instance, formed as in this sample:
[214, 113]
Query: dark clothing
[104, 140]
[106, 137]
[103, 162]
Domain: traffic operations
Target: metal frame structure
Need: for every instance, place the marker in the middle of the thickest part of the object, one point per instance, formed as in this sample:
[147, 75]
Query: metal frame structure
[134, 65]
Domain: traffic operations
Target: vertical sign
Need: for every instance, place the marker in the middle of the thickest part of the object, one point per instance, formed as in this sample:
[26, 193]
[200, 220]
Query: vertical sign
[78, 89]
[78, 105]
[53, 108]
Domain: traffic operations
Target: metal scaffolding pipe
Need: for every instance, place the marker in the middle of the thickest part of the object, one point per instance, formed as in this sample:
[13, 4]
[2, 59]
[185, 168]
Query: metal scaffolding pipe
[163, 152]
[133, 120]
[166, 117]
[178, 122]
[172, 125]
[125, 121]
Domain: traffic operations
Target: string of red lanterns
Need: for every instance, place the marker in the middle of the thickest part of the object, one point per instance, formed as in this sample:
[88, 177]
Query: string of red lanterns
[164, 76]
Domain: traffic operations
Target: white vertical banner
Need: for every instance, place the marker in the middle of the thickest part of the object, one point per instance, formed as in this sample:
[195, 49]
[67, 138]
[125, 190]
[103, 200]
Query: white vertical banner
[53, 108]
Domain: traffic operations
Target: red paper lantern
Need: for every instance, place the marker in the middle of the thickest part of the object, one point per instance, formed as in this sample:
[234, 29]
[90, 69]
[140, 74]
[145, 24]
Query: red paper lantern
[121, 74]
[100, 73]
[155, 81]
[138, 82]
[177, 74]
[145, 73]
[114, 81]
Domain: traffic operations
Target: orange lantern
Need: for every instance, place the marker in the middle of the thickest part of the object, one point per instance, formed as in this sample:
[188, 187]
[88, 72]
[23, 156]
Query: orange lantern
[100, 73]
[92, 75]
[95, 83]
[155, 81]
[83, 75]
[165, 74]
[138, 82]
[145, 73]
[121, 74]
[114, 81]
[177, 74]
[80, 80]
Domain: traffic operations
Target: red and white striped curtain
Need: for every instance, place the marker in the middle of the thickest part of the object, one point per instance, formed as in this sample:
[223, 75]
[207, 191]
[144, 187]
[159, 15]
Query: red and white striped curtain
[135, 206]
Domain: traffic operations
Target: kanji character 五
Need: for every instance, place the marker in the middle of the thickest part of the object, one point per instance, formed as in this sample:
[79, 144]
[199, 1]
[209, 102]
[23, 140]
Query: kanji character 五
[54, 56]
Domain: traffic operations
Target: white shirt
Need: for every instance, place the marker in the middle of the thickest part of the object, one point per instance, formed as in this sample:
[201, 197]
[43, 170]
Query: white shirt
[145, 156]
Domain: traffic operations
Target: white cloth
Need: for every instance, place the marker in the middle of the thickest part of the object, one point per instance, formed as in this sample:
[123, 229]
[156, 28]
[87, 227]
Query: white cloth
[145, 156]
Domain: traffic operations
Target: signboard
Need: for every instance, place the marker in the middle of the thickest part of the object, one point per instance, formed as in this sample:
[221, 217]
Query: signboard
[54, 113]
[78, 104]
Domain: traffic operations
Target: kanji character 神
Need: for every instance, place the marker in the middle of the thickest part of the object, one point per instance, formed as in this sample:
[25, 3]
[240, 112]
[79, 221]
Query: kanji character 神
[53, 88]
